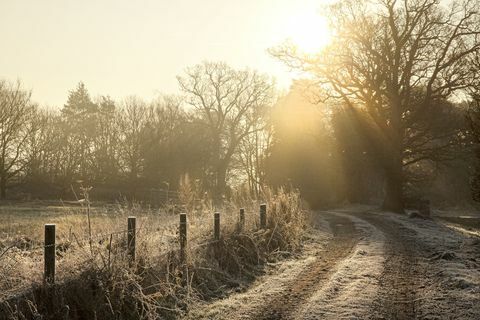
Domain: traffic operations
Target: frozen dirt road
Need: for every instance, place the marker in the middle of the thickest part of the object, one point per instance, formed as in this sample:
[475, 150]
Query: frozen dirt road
[361, 264]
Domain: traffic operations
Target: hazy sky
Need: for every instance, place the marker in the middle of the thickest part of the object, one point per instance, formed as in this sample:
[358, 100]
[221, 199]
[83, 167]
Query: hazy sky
[120, 47]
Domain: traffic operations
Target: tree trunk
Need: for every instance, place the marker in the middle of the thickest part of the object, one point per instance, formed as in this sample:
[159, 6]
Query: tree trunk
[394, 187]
[394, 178]
[3, 188]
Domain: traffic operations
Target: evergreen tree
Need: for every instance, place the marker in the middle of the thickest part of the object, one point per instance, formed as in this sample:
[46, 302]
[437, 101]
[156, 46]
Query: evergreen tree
[80, 117]
[79, 103]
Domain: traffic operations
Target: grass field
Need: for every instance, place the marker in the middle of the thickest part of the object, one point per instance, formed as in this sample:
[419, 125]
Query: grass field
[28, 218]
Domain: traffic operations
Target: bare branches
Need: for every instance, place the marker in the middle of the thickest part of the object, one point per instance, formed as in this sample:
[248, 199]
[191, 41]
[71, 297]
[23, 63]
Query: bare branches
[231, 102]
[397, 60]
[16, 110]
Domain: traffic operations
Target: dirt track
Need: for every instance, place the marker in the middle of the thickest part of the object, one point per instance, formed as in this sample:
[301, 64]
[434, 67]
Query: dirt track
[402, 276]
[372, 266]
[316, 273]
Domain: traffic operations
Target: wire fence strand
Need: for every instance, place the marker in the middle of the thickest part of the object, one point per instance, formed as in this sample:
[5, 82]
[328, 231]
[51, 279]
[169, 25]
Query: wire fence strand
[79, 245]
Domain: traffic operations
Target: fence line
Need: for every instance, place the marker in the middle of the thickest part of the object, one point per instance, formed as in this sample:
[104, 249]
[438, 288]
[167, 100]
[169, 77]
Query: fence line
[133, 234]
[96, 237]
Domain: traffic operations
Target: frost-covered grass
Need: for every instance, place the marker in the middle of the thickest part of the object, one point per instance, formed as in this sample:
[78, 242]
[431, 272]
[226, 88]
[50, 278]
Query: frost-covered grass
[96, 279]
[453, 263]
[448, 260]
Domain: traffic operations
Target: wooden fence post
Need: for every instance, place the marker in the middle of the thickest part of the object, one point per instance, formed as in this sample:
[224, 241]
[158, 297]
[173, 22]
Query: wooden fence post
[216, 225]
[263, 216]
[242, 218]
[131, 237]
[183, 249]
[49, 254]
[183, 237]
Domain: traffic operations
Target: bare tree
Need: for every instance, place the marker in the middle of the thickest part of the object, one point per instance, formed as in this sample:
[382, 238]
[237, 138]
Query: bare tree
[397, 60]
[40, 143]
[164, 144]
[131, 123]
[230, 103]
[252, 157]
[16, 111]
[106, 141]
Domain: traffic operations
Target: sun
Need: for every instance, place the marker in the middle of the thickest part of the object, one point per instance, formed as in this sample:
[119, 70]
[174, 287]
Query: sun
[309, 32]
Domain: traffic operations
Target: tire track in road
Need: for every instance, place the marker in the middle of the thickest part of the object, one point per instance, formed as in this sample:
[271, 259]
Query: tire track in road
[308, 281]
[402, 275]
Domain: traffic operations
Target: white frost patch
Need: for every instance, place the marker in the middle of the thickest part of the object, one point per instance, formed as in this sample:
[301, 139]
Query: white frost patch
[453, 265]
[351, 290]
[459, 229]
[457, 212]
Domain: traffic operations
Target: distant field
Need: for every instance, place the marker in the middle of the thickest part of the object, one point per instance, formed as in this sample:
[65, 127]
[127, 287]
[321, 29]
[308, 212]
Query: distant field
[25, 220]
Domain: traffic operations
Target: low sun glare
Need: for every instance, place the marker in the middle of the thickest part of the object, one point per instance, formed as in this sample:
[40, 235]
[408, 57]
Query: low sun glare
[308, 31]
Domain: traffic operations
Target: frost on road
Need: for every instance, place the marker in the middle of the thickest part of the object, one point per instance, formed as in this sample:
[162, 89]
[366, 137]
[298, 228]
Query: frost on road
[366, 265]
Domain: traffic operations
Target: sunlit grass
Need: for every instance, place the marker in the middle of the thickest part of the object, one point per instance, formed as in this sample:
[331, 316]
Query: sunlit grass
[154, 283]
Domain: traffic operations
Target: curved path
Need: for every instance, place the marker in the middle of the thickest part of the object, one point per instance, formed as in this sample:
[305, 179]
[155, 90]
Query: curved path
[370, 266]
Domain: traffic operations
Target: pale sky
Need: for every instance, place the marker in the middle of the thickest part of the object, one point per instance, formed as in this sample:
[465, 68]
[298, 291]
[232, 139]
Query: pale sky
[121, 48]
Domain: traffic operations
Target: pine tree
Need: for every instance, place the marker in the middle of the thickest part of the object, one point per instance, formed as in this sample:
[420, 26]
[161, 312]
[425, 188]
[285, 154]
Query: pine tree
[79, 103]
[80, 117]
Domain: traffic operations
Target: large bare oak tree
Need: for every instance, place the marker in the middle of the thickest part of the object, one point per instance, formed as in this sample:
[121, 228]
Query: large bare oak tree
[397, 60]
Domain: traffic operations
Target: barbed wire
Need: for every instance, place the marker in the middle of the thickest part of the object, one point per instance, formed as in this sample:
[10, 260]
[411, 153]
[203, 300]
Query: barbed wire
[66, 242]
[94, 237]
[102, 236]
[149, 230]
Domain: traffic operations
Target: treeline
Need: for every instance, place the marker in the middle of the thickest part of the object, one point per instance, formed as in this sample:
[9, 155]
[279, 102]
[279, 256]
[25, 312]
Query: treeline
[124, 148]
[121, 149]
[229, 129]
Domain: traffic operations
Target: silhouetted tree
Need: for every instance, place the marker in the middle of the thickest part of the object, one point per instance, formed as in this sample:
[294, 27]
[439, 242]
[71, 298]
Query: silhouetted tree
[474, 124]
[80, 124]
[106, 142]
[16, 112]
[175, 145]
[41, 153]
[229, 103]
[132, 121]
[251, 158]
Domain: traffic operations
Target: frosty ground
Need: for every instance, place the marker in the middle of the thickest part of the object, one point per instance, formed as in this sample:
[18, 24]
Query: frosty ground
[360, 263]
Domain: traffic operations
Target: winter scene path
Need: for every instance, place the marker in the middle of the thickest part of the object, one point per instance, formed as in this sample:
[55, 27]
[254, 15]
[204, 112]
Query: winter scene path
[366, 264]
